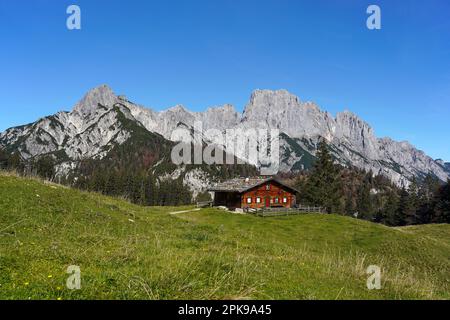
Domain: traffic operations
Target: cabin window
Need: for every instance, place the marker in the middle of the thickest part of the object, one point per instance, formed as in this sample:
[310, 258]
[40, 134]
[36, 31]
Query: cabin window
[284, 200]
[249, 200]
[277, 200]
[268, 186]
[258, 200]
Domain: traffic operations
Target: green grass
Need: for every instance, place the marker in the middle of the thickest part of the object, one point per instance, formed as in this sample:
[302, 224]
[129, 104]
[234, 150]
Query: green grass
[131, 252]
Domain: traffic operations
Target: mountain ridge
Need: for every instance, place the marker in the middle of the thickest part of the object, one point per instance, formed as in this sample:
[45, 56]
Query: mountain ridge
[90, 129]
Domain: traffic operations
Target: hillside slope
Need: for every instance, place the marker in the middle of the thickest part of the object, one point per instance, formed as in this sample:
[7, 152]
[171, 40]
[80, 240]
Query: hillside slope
[131, 252]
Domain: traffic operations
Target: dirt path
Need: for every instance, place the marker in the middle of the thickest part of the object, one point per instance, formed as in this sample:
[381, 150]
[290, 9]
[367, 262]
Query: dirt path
[184, 211]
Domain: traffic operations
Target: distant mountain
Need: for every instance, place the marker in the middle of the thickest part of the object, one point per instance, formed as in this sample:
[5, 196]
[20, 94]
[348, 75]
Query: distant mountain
[444, 165]
[351, 139]
[102, 128]
[103, 121]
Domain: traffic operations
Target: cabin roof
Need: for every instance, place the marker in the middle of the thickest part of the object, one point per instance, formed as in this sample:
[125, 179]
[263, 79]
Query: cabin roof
[241, 185]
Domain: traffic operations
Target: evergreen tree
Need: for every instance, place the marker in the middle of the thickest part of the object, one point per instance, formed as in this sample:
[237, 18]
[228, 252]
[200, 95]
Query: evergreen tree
[324, 186]
[15, 163]
[427, 192]
[151, 191]
[350, 206]
[430, 187]
[389, 212]
[442, 211]
[45, 167]
[403, 207]
[4, 160]
[412, 203]
[364, 203]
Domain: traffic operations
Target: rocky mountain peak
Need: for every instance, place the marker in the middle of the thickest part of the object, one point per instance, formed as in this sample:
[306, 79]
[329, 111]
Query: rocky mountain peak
[351, 121]
[445, 165]
[90, 129]
[179, 108]
[220, 117]
[280, 109]
[102, 95]
[268, 99]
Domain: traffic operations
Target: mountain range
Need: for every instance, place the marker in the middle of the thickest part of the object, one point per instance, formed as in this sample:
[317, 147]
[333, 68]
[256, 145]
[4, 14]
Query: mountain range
[102, 120]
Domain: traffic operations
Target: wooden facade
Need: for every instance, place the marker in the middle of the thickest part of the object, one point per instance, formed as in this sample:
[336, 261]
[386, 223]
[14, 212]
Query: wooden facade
[254, 193]
[270, 194]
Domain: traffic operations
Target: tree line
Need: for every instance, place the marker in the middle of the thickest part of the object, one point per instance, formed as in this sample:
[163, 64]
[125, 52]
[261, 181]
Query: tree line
[138, 187]
[347, 191]
[135, 185]
[42, 167]
[361, 194]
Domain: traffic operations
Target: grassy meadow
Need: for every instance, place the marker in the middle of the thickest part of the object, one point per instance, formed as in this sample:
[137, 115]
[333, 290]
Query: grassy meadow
[131, 252]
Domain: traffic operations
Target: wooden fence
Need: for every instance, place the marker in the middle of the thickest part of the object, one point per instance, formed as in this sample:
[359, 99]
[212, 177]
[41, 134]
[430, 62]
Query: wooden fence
[276, 212]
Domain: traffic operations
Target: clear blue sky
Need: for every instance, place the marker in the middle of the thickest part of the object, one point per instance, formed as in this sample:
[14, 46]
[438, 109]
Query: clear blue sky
[209, 52]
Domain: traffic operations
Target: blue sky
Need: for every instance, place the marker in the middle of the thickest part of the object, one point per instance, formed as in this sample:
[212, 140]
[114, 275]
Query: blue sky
[202, 53]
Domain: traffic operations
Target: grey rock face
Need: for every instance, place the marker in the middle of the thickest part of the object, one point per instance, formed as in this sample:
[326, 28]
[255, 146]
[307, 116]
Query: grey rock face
[284, 111]
[445, 165]
[100, 95]
[94, 125]
[357, 134]
[86, 132]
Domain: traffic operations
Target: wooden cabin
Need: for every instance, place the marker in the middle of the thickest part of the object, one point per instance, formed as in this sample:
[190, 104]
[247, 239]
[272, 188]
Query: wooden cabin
[262, 192]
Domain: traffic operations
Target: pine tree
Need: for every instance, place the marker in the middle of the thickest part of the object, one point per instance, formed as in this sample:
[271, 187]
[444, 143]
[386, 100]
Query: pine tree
[350, 207]
[400, 216]
[427, 192]
[151, 191]
[324, 186]
[3, 160]
[364, 203]
[442, 211]
[45, 167]
[389, 212]
[412, 203]
[15, 162]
